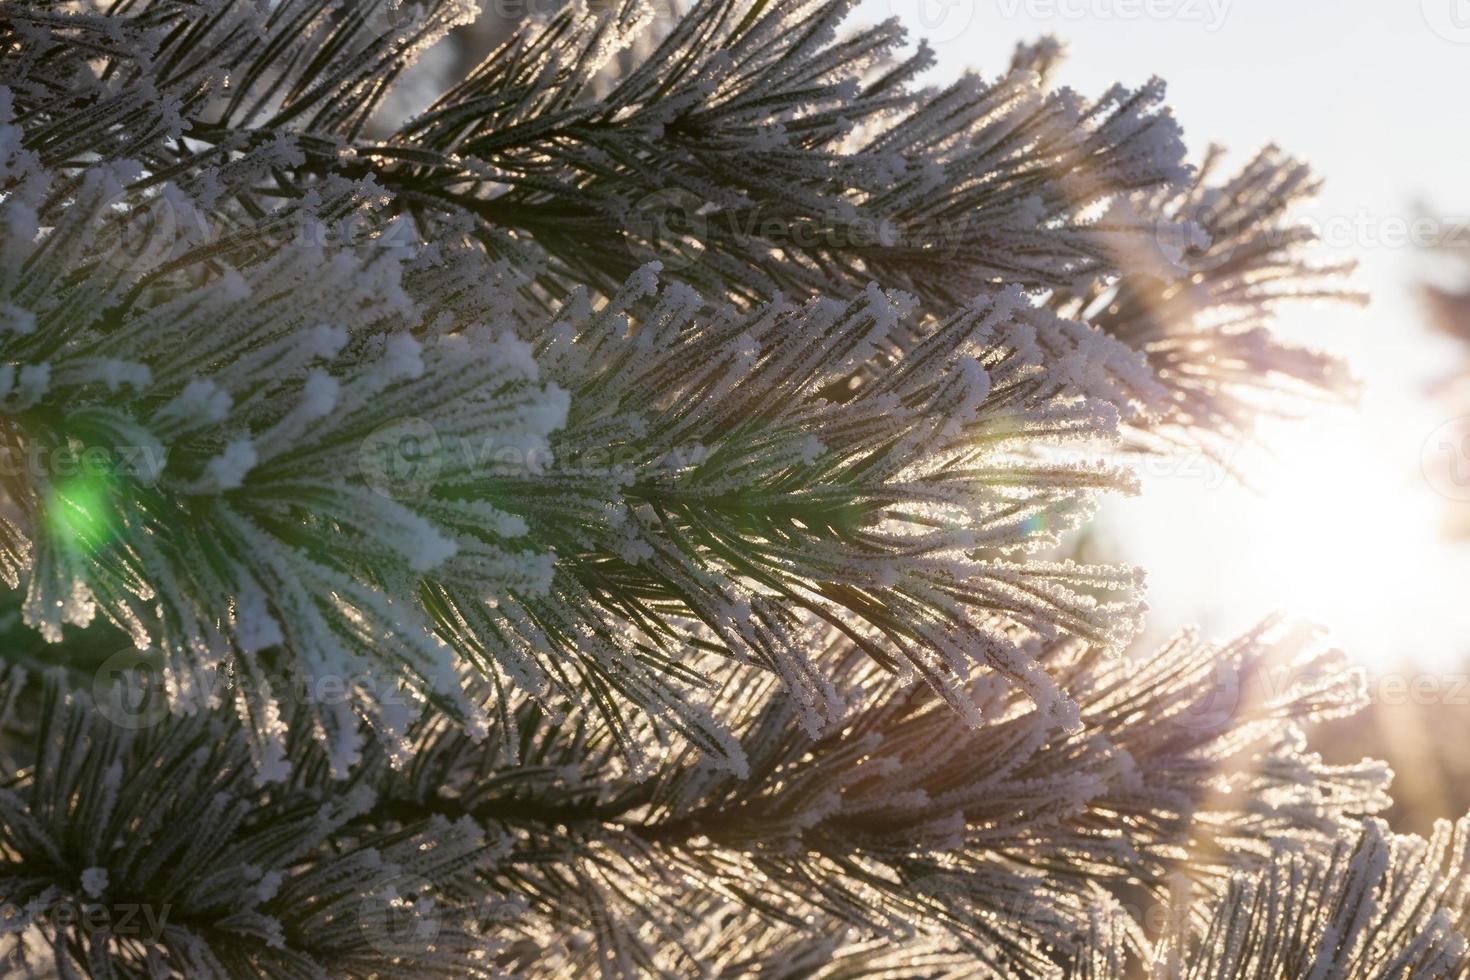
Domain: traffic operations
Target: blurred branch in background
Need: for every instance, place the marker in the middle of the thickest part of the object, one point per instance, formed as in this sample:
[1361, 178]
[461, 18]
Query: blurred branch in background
[1447, 305]
[1422, 738]
[1419, 720]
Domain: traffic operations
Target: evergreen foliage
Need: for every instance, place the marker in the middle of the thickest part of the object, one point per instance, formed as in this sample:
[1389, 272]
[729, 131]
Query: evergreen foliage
[609, 520]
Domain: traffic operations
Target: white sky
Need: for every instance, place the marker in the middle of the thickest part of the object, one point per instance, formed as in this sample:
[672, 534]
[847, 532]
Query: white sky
[1373, 94]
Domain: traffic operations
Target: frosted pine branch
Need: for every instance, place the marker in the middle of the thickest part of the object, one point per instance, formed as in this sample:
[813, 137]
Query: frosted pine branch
[903, 820]
[702, 477]
[1198, 300]
[1377, 905]
[153, 853]
[992, 839]
[900, 513]
[605, 522]
[766, 158]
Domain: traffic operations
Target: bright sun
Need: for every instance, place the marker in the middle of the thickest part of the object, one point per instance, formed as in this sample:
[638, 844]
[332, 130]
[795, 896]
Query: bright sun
[1342, 530]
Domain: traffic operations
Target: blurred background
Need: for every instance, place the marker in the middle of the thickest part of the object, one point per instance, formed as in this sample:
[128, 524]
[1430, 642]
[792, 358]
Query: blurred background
[1354, 520]
[1358, 520]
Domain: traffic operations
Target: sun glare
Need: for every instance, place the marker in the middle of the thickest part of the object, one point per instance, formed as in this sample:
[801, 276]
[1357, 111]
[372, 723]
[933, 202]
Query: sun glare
[1334, 524]
[1341, 529]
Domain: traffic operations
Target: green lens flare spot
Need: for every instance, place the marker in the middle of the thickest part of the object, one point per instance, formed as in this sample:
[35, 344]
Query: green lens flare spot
[78, 511]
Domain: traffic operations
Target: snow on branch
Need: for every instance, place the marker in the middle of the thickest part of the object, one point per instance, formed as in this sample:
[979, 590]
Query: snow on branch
[325, 460]
[602, 523]
[1199, 299]
[755, 149]
[902, 820]
[708, 495]
[1375, 905]
[154, 853]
